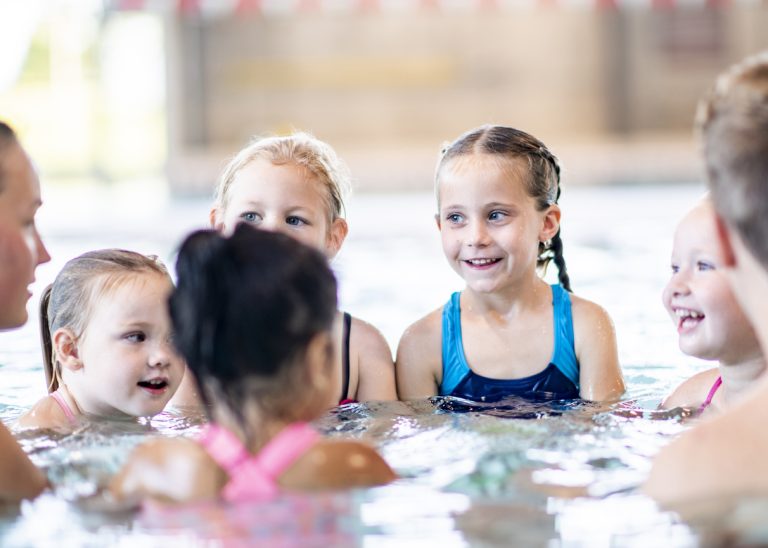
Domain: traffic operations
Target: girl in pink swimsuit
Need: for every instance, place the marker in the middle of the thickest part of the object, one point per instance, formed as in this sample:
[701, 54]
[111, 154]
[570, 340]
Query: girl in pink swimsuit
[106, 341]
[710, 324]
[253, 315]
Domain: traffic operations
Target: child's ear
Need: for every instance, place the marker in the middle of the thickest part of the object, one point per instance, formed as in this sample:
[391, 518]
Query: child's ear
[213, 218]
[65, 345]
[551, 223]
[337, 233]
[724, 242]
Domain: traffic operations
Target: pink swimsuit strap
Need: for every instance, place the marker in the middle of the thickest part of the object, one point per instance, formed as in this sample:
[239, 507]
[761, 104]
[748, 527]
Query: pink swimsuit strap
[64, 407]
[711, 394]
[255, 476]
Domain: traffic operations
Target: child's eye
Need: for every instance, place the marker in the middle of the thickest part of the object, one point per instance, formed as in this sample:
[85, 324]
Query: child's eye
[135, 337]
[454, 218]
[704, 265]
[250, 217]
[496, 215]
[675, 269]
[293, 220]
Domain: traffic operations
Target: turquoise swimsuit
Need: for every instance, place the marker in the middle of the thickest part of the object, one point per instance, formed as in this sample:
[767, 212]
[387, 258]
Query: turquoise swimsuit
[559, 380]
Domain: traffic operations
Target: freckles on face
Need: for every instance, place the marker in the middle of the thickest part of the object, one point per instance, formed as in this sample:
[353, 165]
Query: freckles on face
[283, 198]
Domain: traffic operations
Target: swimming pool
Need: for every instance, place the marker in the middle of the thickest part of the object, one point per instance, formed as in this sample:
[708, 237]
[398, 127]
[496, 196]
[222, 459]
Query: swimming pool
[467, 475]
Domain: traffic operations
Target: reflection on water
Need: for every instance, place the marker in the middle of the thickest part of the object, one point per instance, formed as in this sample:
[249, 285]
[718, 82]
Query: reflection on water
[518, 473]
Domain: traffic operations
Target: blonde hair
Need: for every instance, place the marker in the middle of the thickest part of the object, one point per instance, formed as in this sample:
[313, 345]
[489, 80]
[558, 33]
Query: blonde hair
[733, 124]
[68, 301]
[300, 149]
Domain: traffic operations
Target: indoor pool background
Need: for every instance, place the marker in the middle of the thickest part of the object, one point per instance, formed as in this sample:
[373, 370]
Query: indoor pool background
[518, 474]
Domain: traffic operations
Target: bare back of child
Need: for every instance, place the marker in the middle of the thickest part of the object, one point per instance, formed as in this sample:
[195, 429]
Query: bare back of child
[253, 315]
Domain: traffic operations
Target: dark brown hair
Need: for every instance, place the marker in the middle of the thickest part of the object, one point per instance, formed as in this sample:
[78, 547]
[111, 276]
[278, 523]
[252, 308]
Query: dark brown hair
[733, 124]
[543, 182]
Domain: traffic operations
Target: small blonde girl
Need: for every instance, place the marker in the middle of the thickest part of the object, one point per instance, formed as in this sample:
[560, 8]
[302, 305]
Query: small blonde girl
[508, 333]
[296, 185]
[106, 341]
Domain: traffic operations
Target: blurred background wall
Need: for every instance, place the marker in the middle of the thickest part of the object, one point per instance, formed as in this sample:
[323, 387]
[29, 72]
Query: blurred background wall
[137, 89]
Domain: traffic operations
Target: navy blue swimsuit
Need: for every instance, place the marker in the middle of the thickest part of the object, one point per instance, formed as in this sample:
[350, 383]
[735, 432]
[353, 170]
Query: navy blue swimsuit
[559, 380]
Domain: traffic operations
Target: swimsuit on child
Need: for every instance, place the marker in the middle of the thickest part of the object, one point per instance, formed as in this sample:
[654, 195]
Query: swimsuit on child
[711, 394]
[58, 398]
[345, 360]
[558, 380]
[254, 477]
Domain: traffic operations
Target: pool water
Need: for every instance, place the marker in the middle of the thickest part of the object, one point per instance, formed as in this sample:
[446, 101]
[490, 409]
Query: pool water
[515, 473]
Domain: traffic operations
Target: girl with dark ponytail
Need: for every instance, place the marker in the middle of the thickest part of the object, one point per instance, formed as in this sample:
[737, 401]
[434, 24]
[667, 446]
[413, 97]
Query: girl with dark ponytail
[497, 191]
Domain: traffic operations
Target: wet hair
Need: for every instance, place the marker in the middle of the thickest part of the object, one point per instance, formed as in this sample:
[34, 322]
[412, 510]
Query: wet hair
[68, 301]
[542, 182]
[299, 149]
[244, 311]
[733, 125]
[7, 139]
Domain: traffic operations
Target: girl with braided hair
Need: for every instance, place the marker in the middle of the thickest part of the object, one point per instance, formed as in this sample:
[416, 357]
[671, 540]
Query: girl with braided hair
[497, 190]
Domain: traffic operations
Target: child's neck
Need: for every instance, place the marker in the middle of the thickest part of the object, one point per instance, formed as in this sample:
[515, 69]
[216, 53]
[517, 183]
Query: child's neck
[512, 299]
[259, 429]
[739, 378]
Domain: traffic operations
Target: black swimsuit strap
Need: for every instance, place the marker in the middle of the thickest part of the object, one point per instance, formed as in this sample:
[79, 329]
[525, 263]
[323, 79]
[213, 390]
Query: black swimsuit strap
[345, 355]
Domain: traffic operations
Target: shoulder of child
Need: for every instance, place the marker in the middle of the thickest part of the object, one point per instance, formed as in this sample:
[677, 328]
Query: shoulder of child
[168, 469]
[373, 356]
[337, 464]
[692, 392]
[419, 357]
[46, 413]
[596, 350]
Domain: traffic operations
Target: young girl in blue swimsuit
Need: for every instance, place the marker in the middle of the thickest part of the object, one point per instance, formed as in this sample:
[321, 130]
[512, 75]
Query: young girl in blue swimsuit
[508, 333]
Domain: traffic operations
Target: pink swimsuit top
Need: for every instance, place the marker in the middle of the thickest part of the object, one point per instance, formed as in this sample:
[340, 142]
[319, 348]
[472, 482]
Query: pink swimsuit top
[711, 394]
[254, 477]
[64, 407]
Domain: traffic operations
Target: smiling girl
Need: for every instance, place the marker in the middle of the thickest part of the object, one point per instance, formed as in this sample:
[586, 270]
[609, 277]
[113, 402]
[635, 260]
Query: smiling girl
[710, 323]
[106, 341]
[508, 333]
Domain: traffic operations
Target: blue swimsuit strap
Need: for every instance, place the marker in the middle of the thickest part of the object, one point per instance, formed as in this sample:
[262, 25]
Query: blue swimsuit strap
[455, 367]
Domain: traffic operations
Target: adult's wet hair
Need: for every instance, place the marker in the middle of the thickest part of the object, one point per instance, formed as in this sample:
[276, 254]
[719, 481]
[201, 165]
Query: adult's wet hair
[543, 182]
[733, 123]
[244, 312]
[68, 301]
[7, 138]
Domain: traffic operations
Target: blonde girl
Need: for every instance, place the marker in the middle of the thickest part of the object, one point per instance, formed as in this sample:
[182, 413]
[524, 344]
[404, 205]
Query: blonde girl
[106, 341]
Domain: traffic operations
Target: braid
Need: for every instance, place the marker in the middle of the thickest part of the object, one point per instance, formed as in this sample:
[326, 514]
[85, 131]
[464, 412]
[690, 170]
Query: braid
[557, 256]
[49, 360]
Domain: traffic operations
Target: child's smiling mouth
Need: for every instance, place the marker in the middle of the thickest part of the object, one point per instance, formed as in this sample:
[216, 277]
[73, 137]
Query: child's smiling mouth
[156, 386]
[687, 319]
[481, 263]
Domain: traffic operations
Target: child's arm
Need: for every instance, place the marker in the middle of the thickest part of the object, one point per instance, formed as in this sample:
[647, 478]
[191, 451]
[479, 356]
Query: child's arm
[337, 464]
[172, 470]
[376, 371]
[692, 392]
[418, 368]
[19, 478]
[595, 341]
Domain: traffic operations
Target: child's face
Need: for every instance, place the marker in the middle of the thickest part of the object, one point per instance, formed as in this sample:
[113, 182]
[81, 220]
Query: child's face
[710, 324]
[21, 249]
[283, 198]
[128, 364]
[489, 225]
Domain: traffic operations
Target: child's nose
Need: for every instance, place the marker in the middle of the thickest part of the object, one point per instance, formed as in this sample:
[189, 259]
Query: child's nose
[161, 355]
[478, 235]
[678, 283]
